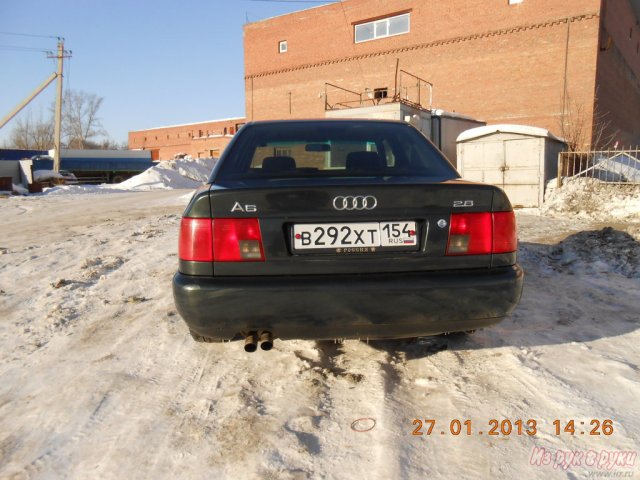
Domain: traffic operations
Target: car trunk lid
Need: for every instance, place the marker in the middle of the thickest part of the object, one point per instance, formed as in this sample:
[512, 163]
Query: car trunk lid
[279, 206]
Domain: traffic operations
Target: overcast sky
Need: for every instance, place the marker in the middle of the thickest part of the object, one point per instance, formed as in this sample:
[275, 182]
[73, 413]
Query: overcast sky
[155, 62]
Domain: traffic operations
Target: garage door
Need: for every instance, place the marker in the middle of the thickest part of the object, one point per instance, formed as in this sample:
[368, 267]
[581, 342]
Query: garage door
[512, 165]
[483, 162]
[521, 179]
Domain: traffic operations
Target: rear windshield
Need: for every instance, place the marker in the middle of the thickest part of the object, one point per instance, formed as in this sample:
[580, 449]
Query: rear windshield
[335, 149]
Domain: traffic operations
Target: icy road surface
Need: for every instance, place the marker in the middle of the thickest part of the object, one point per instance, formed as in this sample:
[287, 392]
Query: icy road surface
[99, 377]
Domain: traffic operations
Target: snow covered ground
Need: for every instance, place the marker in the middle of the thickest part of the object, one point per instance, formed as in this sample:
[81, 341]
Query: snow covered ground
[99, 377]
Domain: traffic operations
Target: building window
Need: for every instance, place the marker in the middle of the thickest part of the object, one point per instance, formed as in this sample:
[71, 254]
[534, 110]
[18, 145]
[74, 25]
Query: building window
[283, 152]
[283, 47]
[386, 27]
[380, 93]
[515, 2]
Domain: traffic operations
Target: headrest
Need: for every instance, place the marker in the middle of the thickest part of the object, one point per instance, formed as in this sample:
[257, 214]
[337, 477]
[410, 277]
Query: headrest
[363, 160]
[278, 164]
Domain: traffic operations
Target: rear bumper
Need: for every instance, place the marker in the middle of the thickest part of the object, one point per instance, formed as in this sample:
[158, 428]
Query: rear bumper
[397, 305]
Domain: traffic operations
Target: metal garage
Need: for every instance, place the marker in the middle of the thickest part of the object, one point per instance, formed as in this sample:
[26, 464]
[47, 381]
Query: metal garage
[517, 158]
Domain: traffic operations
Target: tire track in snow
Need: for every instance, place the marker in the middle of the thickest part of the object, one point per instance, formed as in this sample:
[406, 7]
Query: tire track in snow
[117, 396]
[126, 390]
[353, 383]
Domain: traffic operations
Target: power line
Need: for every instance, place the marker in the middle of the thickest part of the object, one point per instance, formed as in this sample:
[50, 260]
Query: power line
[25, 49]
[29, 35]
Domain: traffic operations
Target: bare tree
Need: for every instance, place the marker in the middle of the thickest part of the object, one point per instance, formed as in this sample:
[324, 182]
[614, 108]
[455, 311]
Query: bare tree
[603, 134]
[107, 144]
[80, 122]
[579, 133]
[81, 126]
[110, 144]
[30, 133]
[573, 125]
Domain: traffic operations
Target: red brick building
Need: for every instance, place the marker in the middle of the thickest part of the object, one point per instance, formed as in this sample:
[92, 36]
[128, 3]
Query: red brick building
[203, 139]
[570, 66]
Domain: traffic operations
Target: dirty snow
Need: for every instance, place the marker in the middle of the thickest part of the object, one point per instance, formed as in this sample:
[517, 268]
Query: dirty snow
[592, 198]
[99, 377]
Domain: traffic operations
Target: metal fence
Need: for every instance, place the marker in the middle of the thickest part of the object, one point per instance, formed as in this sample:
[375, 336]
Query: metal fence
[408, 89]
[610, 166]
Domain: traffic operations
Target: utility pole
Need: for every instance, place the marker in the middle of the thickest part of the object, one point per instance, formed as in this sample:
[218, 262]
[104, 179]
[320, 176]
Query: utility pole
[61, 54]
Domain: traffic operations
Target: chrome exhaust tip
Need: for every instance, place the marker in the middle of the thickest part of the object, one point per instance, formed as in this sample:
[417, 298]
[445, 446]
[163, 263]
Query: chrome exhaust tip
[250, 343]
[266, 341]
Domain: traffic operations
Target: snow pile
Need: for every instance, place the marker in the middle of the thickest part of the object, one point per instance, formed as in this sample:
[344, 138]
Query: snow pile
[40, 175]
[618, 168]
[82, 189]
[592, 252]
[19, 189]
[591, 198]
[180, 173]
[188, 173]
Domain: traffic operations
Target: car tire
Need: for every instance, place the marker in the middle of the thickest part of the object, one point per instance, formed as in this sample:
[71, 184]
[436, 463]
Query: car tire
[200, 338]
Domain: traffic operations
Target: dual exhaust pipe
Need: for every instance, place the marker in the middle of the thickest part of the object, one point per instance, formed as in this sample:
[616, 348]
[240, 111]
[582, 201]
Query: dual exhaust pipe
[251, 342]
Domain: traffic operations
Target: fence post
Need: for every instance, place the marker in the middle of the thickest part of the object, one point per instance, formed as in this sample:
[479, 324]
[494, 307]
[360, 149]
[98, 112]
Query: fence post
[560, 169]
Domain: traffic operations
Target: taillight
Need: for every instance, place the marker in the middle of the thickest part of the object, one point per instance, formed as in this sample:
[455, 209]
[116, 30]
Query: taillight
[482, 233]
[237, 240]
[469, 234]
[196, 240]
[504, 232]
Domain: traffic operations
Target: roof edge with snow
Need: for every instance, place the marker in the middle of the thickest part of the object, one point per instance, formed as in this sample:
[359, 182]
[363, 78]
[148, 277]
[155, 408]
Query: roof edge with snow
[220, 120]
[526, 130]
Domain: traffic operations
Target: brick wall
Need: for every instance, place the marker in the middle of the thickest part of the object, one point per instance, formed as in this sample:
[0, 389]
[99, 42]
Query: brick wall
[486, 58]
[326, 33]
[514, 76]
[617, 116]
[201, 139]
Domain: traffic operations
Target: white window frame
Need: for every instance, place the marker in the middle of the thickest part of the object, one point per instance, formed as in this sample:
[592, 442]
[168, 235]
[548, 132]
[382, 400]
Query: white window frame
[374, 23]
[283, 43]
[515, 2]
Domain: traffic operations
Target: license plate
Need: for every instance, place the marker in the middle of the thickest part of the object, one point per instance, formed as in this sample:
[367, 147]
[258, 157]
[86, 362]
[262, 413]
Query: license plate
[365, 237]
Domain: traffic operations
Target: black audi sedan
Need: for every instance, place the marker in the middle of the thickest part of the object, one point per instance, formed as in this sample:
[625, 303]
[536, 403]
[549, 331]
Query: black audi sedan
[342, 229]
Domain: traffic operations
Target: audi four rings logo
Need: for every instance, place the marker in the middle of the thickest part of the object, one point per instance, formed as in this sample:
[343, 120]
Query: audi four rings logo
[359, 202]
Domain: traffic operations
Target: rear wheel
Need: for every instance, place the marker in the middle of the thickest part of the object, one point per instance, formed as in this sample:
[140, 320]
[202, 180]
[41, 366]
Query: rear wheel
[200, 338]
